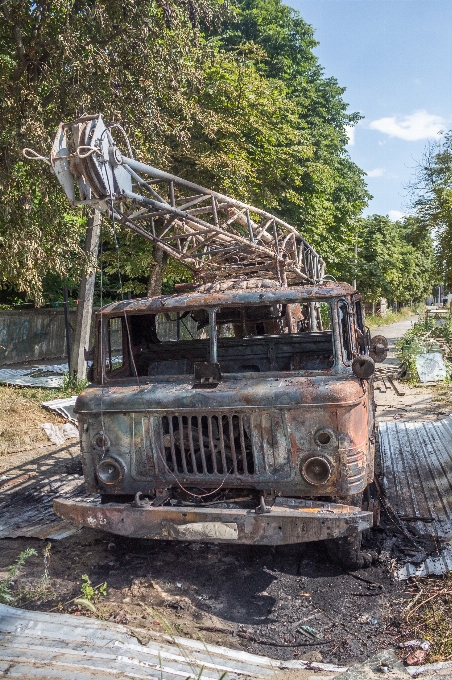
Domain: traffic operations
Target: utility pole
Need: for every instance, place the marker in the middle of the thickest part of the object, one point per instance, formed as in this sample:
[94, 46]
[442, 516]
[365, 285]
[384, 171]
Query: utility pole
[67, 324]
[85, 299]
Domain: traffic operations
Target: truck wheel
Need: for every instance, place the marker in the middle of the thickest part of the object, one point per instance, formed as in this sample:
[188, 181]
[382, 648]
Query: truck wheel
[347, 551]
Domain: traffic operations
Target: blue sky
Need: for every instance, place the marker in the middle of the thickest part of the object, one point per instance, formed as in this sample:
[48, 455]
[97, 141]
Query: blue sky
[395, 59]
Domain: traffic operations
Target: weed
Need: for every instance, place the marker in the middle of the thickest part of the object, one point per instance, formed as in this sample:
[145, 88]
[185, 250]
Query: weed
[6, 594]
[72, 384]
[428, 616]
[90, 594]
[423, 337]
[374, 321]
[42, 589]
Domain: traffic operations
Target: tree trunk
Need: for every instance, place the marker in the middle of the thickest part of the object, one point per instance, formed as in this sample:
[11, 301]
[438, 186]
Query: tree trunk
[156, 275]
[85, 300]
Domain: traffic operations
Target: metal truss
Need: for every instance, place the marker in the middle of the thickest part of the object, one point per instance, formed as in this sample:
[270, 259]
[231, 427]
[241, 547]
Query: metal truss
[212, 234]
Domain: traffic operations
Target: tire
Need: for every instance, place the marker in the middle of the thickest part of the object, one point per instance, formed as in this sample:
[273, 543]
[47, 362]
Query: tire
[346, 550]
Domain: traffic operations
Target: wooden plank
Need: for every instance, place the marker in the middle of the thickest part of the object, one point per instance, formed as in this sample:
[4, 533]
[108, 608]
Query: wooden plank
[400, 391]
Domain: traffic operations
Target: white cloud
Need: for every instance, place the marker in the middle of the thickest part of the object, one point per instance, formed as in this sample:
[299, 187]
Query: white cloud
[376, 172]
[395, 215]
[419, 125]
[350, 132]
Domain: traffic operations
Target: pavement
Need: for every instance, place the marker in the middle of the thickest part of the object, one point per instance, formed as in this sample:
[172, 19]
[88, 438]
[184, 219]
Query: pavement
[392, 333]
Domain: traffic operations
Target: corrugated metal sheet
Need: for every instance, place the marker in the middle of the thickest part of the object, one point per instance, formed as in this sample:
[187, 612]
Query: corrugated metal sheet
[64, 407]
[34, 376]
[61, 646]
[417, 479]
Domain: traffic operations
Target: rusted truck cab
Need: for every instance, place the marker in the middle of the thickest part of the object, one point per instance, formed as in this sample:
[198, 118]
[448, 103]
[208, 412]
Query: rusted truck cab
[233, 413]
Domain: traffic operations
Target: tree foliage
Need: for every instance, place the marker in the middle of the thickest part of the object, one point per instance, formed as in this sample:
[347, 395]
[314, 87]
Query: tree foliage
[432, 201]
[395, 259]
[235, 100]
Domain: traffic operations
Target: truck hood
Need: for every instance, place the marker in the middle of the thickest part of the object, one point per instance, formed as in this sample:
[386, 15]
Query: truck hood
[232, 393]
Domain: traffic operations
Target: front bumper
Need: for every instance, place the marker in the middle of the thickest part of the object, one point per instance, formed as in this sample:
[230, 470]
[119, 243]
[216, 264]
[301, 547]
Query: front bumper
[289, 521]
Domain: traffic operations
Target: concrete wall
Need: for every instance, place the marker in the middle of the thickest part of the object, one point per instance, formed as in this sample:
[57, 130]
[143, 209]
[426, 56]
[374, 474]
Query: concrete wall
[33, 334]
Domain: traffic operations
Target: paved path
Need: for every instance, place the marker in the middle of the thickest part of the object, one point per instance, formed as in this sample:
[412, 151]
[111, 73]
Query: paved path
[418, 403]
[392, 332]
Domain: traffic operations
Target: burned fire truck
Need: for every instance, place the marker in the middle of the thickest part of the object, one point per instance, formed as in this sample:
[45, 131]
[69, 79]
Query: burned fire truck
[240, 410]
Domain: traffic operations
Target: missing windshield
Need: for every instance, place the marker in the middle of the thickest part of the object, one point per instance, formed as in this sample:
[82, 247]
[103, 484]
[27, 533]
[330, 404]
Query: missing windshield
[248, 339]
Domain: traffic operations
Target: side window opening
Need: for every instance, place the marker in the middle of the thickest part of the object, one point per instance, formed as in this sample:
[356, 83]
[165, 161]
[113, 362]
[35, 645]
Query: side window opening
[360, 326]
[345, 330]
[114, 359]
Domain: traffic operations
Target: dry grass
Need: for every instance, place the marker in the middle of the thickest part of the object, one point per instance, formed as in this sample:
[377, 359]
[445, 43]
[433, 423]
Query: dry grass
[21, 414]
[429, 616]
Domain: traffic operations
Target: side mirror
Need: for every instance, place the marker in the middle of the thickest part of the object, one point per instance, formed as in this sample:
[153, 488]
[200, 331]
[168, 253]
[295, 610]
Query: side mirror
[378, 348]
[363, 367]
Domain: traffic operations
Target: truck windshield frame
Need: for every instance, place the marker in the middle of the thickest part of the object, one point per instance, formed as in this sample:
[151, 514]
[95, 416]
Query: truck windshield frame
[298, 337]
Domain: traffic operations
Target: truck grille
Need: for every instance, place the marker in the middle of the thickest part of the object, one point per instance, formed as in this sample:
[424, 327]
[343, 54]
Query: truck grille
[252, 446]
[208, 444]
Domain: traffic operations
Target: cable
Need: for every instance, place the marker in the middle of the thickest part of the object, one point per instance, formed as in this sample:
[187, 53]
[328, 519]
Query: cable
[102, 339]
[33, 155]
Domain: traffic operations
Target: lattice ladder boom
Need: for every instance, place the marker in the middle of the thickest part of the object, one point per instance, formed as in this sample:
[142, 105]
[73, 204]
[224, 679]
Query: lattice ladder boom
[212, 234]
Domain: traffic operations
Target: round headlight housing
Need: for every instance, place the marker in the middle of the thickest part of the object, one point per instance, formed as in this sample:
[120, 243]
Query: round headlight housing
[316, 470]
[325, 438]
[110, 471]
[101, 442]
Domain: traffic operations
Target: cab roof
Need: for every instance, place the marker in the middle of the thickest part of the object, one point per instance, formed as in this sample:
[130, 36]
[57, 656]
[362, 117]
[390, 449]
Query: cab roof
[230, 294]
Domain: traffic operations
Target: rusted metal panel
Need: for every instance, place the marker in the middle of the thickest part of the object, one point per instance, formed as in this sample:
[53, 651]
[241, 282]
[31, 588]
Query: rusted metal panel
[274, 432]
[208, 296]
[257, 392]
[290, 521]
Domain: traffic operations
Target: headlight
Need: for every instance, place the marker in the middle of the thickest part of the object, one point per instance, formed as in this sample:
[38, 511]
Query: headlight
[316, 470]
[110, 471]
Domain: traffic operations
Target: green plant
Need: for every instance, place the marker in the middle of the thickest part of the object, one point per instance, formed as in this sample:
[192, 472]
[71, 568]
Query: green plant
[90, 594]
[375, 321]
[72, 384]
[423, 337]
[6, 594]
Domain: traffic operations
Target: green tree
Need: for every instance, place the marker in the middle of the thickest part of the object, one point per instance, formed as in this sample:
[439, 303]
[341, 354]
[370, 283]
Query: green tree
[432, 201]
[329, 191]
[139, 63]
[395, 259]
[236, 102]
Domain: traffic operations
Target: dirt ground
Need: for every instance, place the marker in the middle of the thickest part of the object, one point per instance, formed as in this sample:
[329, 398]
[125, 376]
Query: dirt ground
[247, 597]
[251, 598]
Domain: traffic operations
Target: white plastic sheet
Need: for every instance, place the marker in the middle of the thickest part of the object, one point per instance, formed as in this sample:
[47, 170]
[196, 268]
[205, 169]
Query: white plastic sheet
[431, 367]
[59, 433]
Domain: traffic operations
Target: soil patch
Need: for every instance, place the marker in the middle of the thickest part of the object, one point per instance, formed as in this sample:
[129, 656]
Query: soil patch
[246, 597]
